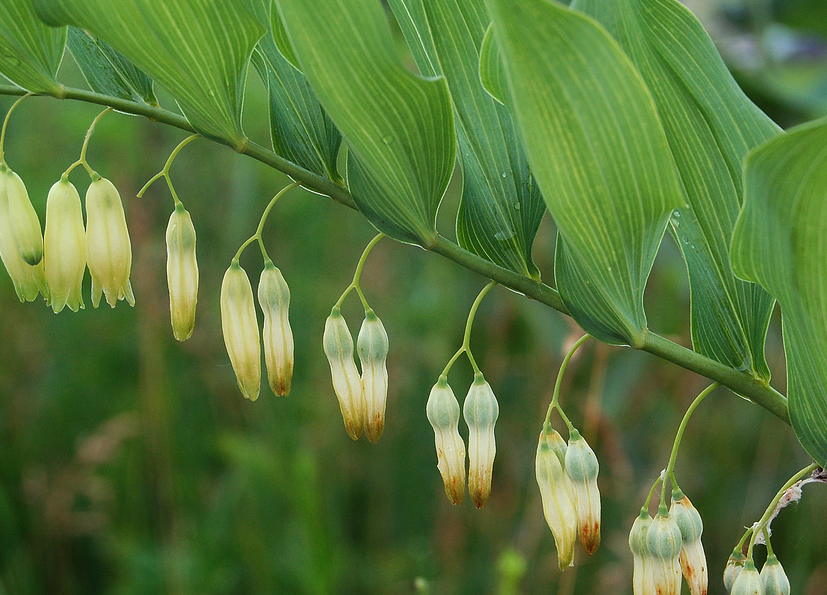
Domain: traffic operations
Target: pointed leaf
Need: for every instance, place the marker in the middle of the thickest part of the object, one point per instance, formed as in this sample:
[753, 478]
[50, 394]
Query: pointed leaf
[780, 241]
[107, 71]
[492, 69]
[399, 127]
[710, 125]
[600, 157]
[30, 52]
[197, 49]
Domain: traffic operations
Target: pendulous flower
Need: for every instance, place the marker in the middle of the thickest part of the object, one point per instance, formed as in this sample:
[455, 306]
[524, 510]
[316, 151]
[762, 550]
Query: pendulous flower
[664, 542]
[182, 272]
[748, 581]
[64, 251]
[582, 468]
[643, 578]
[734, 566]
[28, 280]
[372, 347]
[443, 414]
[240, 327]
[556, 493]
[274, 298]
[480, 411]
[338, 347]
[773, 578]
[24, 222]
[693, 558]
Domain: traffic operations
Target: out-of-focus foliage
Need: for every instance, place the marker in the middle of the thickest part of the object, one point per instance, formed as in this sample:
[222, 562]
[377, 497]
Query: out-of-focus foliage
[131, 465]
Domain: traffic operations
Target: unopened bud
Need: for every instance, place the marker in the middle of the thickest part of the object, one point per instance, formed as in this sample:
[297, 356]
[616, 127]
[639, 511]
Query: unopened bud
[240, 327]
[182, 272]
[443, 414]
[748, 581]
[773, 578]
[556, 492]
[664, 543]
[582, 468]
[274, 298]
[480, 411]
[28, 280]
[108, 248]
[372, 346]
[734, 566]
[643, 578]
[64, 251]
[693, 559]
[25, 223]
[338, 347]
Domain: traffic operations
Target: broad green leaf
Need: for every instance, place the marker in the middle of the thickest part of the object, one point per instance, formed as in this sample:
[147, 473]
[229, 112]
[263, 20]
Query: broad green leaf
[300, 129]
[780, 241]
[410, 14]
[197, 49]
[710, 125]
[399, 127]
[501, 206]
[107, 71]
[492, 69]
[30, 52]
[599, 154]
[280, 38]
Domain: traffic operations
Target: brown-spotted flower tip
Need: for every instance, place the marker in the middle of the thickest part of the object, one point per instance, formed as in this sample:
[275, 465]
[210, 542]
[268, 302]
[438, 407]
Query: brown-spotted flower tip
[556, 493]
[108, 248]
[443, 414]
[582, 468]
[274, 298]
[338, 347]
[240, 328]
[480, 411]
[372, 346]
[64, 251]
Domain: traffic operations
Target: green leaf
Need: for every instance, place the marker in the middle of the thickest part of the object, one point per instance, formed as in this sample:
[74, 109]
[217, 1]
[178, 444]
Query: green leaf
[410, 15]
[107, 71]
[398, 126]
[780, 241]
[492, 68]
[597, 149]
[30, 52]
[300, 129]
[197, 49]
[501, 206]
[710, 125]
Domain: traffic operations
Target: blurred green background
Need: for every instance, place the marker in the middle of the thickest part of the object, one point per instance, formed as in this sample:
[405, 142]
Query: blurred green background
[130, 464]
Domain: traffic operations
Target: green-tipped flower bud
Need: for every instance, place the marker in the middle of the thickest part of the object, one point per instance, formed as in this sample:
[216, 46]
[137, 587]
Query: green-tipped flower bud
[182, 272]
[274, 298]
[480, 411]
[443, 413]
[338, 347]
[64, 251]
[664, 542]
[240, 326]
[773, 578]
[372, 347]
[556, 492]
[693, 558]
[644, 564]
[733, 567]
[582, 468]
[29, 281]
[108, 248]
[25, 224]
[748, 581]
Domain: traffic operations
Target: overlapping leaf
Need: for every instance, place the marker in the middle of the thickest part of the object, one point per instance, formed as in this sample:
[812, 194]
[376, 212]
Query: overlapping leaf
[30, 52]
[710, 125]
[780, 241]
[197, 49]
[501, 206]
[398, 126]
[300, 128]
[599, 154]
[107, 71]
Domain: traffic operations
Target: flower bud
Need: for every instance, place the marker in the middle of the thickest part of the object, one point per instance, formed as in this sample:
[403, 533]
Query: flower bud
[29, 281]
[182, 272]
[240, 326]
[338, 347]
[443, 413]
[644, 563]
[748, 581]
[773, 578]
[664, 542]
[556, 492]
[108, 248]
[372, 346]
[64, 250]
[25, 224]
[582, 468]
[693, 559]
[274, 298]
[733, 567]
[480, 411]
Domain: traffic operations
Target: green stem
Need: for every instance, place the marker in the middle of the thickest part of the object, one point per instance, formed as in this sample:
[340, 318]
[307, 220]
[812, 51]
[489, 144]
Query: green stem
[737, 381]
[652, 493]
[257, 236]
[670, 468]
[466, 337]
[5, 125]
[555, 397]
[357, 275]
[82, 160]
[164, 173]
